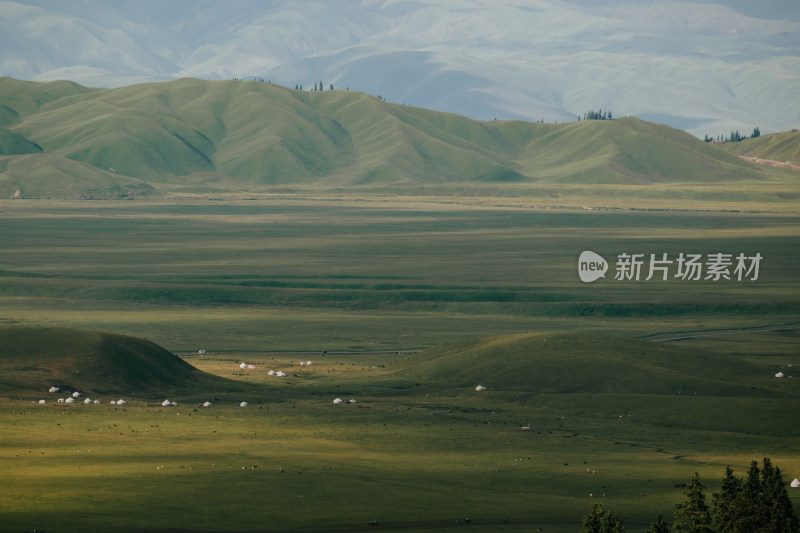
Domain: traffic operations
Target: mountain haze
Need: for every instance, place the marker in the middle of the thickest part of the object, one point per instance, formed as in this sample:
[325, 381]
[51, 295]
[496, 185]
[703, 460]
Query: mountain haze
[707, 67]
[68, 140]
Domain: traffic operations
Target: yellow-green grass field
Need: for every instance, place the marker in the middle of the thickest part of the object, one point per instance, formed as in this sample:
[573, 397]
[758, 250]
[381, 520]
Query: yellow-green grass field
[628, 387]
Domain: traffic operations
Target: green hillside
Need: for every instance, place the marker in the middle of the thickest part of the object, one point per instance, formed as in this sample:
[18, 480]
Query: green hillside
[34, 359]
[581, 363]
[780, 147]
[244, 135]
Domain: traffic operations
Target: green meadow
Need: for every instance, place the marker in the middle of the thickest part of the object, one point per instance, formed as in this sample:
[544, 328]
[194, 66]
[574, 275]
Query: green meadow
[404, 304]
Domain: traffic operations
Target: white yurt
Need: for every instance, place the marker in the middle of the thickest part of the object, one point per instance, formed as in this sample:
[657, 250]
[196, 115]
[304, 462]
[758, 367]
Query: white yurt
[243, 366]
[480, 388]
[779, 375]
[61, 400]
[54, 389]
[113, 402]
[70, 400]
[121, 402]
[76, 394]
[337, 400]
[796, 483]
[243, 404]
[280, 373]
[271, 373]
[166, 403]
[42, 401]
[308, 363]
[87, 400]
[207, 404]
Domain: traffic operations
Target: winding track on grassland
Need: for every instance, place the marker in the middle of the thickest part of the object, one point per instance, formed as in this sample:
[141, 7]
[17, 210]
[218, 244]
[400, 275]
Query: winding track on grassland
[725, 332]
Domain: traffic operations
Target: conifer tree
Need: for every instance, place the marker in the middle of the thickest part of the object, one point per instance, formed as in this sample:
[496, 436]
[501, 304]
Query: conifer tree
[691, 515]
[777, 512]
[728, 506]
[601, 521]
[659, 526]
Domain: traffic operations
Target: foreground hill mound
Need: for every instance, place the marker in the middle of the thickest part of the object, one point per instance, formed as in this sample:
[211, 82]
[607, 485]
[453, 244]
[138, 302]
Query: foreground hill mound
[35, 359]
[565, 363]
[240, 135]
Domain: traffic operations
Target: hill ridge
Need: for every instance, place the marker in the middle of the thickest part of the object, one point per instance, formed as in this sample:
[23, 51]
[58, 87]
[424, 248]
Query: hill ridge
[236, 134]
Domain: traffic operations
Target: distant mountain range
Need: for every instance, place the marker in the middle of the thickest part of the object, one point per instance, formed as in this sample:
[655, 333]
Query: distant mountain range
[707, 66]
[60, 139]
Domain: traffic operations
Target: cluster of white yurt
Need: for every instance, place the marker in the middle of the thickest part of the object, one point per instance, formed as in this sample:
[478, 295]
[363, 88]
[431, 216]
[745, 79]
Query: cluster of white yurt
[279, 373]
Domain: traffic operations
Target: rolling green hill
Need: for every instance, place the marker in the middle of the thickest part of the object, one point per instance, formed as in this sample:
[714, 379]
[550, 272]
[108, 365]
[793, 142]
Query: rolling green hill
[233, 134]
[780, 147]
[581, 363]
[34, 359]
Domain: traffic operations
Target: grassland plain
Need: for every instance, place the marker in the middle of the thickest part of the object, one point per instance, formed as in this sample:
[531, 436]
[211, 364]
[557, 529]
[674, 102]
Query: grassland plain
[419, 449]
[328, 274]
[280, 278]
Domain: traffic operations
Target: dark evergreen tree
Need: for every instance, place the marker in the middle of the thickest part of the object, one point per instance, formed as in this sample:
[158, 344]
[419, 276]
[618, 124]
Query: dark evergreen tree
[727, 510]
[777, 511]
[601, 521]
[756, 133]
[659, 526]
[691, 515]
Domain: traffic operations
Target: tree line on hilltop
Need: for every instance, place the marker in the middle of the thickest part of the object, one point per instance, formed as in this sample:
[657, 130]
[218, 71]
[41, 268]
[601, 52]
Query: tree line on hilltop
[756, 503]
[734, 137]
